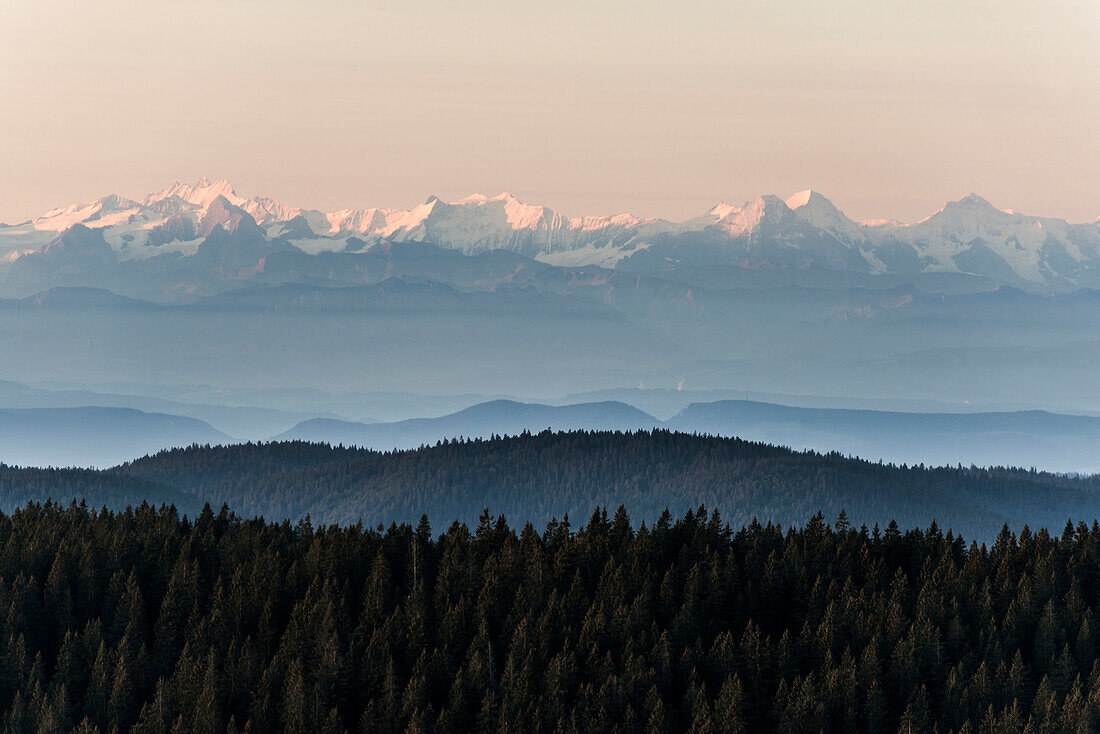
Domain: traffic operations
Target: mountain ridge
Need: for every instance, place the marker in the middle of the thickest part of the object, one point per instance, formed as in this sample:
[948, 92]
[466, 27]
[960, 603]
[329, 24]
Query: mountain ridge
[1055, 441]
[967, 236]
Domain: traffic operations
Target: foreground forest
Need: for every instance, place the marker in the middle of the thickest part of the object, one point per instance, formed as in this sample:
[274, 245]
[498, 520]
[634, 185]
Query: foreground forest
[538, 477]
[145, 621]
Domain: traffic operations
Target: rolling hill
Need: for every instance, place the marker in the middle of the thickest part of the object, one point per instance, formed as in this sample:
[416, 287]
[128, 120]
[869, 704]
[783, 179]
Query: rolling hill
[539, 476]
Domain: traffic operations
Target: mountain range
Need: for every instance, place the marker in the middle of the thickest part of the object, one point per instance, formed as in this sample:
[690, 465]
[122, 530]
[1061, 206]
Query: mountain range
[203, 238]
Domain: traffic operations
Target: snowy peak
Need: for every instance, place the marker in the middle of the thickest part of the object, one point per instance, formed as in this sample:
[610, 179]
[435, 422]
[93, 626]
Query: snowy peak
[478, 218]
[802, 198]
[105, 212]
[815, 209]
[116, 203]
[359, 221]
[517, 215]
[264, 209]
[810, 202]
[176, 203]
[502, 215]
[974, 202]
[748, 219]
[970, 208]
[479, 222]
[200, 194]
[222, 213]
[723, 210]
[968, 234]
[971, 213]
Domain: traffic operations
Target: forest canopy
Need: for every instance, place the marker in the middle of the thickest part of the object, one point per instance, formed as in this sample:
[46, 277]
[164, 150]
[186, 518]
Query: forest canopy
[148, 621]
[536, 477]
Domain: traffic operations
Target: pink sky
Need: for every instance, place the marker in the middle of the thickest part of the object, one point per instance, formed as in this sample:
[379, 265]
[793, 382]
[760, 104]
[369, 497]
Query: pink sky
[590, 107]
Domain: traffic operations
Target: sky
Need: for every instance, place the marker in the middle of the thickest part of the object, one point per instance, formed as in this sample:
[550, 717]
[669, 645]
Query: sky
[888, 107]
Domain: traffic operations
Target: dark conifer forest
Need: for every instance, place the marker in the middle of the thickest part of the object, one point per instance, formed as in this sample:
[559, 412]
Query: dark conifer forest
[788, 600]
[537, 477]
[148, 621]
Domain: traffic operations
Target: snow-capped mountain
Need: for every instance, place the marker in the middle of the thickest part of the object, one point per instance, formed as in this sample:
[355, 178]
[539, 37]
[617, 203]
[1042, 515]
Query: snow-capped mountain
[815, 209]
[969, 238]
[974, 236]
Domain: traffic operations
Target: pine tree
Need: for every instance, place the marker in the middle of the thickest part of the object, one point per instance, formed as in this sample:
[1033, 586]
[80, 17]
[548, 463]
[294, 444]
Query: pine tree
[294, 714]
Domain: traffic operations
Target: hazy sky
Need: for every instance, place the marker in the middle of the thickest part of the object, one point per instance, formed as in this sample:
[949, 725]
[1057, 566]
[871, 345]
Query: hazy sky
[889, 107]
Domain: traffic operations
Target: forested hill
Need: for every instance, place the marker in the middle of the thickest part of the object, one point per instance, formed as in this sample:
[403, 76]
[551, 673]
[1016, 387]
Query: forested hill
[543, 476]
[147, 622]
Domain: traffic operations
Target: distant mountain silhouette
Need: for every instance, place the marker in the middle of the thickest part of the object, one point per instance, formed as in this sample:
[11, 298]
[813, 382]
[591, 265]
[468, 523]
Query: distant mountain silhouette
[498, 417]
[1021, 438]
[94, 436]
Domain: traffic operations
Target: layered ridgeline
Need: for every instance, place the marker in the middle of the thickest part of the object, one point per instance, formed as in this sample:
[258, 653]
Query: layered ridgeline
[1055, 442]
[104, 437]
[145, 622]
[537, 477]
[203, 235]
[197, 285]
